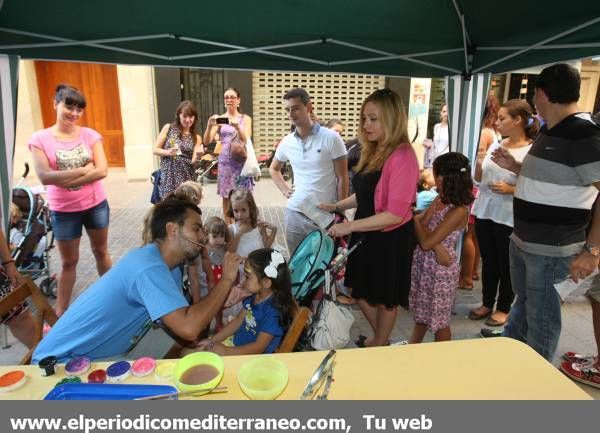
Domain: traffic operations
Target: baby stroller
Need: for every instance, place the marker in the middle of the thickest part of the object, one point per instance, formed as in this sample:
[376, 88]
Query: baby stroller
[312, 265]
[208, 168]
[31, 237]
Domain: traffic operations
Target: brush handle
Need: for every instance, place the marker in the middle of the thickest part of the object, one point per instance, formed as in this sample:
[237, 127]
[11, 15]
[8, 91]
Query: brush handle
[180, 394]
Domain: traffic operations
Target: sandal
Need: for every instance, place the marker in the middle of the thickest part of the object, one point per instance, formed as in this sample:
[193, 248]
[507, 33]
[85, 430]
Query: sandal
[478, 314]
[360, 341]
[578, 358]
[491, 321]
[589, 375]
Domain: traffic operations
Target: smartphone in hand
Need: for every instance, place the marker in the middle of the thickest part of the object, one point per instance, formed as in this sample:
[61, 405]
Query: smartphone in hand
[222, 121]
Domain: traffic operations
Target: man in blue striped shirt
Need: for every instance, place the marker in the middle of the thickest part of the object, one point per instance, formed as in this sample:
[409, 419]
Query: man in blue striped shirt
[556, 189]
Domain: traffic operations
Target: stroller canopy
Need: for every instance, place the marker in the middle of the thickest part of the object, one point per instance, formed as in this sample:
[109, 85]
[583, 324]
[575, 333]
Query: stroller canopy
[308, 265]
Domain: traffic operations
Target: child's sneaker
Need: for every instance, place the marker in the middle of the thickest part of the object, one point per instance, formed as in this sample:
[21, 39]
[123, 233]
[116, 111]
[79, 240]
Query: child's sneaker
[489, 333]
[584, 373]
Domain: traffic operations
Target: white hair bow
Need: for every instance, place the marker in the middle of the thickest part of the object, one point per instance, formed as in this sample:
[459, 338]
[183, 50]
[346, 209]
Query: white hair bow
[276, 260]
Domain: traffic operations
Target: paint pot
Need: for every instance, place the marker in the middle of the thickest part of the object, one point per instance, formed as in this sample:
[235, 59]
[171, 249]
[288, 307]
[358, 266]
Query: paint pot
[12, 380]
[48, 365]
[118, 371]
[73, 379]
[78, 366]
[164, 371]
[97, 376]
[143, 366]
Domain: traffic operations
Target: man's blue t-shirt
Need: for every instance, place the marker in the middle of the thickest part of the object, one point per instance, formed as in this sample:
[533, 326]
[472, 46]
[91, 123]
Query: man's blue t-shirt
[262, 317]
[103, 319]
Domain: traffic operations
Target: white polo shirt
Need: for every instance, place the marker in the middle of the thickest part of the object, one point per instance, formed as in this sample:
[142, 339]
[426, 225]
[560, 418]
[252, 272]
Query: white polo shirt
[312, 161]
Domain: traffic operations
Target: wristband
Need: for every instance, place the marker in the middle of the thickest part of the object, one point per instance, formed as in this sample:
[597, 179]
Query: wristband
[338, 209]
[8, 262]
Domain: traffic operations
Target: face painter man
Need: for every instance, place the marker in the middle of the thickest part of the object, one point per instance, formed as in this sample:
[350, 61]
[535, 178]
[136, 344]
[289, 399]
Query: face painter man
[144, 285]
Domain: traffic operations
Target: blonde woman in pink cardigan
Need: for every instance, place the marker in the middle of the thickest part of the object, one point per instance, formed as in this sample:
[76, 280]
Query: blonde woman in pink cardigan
[378, 271]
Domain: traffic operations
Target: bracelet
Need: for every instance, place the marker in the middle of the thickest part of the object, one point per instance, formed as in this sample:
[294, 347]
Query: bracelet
[338, 209]
[8, 262]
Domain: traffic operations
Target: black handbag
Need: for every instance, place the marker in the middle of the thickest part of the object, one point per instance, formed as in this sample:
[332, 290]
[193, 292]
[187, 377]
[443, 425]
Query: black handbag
[155, 178]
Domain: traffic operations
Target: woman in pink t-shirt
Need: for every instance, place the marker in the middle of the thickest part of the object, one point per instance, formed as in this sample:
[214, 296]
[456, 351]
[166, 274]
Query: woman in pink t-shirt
[385, 185]
[70, 160]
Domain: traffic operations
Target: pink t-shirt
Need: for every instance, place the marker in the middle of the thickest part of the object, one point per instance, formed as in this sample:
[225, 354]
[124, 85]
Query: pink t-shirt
[397, 187]
[66, 155]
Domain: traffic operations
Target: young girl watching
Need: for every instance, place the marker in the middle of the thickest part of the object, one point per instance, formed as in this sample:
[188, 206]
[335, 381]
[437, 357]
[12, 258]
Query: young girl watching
[435, 268]
[247, 232]
[266, 313]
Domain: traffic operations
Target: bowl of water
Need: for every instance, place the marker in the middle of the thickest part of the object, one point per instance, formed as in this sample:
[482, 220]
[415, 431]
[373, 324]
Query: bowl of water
[200, 371]
[263, 378]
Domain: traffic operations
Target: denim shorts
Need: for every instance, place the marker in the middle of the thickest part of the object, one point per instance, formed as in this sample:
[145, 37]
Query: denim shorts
[68, 225]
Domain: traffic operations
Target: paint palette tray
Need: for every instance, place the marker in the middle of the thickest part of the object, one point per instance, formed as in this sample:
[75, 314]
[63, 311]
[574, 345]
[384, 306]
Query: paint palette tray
[104, 391]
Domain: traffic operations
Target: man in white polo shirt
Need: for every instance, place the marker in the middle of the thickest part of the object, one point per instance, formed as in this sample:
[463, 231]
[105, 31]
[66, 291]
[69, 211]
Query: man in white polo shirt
[318, 158]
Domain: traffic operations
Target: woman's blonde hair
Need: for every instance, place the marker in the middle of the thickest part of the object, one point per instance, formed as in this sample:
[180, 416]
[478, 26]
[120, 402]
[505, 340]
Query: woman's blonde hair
[392, 116]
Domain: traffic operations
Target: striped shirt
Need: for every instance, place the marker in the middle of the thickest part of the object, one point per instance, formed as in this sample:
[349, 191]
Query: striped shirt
[554, 195]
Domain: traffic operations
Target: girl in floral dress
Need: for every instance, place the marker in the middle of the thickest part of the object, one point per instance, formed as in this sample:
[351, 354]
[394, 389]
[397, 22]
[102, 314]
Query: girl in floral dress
[179, 146]
[435, 267]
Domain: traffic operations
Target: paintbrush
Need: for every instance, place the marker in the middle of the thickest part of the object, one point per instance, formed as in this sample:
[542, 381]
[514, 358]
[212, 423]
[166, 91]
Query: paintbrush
[178, 394]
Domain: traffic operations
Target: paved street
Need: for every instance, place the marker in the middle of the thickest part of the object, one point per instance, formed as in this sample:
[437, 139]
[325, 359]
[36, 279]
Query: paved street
[130, 200]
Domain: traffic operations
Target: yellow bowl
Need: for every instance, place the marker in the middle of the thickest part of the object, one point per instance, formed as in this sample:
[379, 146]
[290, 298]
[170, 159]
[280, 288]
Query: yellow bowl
[263, 378]
[193, 360]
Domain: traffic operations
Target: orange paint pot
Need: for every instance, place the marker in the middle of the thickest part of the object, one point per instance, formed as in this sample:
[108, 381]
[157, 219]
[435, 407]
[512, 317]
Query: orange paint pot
[12, 380]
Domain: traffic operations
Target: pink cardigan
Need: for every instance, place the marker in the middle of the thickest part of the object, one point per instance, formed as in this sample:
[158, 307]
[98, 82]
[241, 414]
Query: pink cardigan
[397, 187]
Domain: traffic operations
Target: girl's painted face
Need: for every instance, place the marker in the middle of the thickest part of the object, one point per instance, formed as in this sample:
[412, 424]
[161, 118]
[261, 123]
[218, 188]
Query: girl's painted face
[186, 120]
[371, 123]
[506, 123]
[241, 211]
[251, 281]
[216, 241]
[68, 114]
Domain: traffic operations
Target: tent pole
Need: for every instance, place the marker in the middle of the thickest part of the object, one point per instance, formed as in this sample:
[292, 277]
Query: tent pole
[95, 41]
[104, 47]
[379, 59]
[543, 42]
[543, 47]
[248, 50]
[387, 53]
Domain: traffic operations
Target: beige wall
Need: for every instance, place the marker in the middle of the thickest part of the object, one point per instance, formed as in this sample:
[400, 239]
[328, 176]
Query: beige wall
[138, 112]
[29, 118]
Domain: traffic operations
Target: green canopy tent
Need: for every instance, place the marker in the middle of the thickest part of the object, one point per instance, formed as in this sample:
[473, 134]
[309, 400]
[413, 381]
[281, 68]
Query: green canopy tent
[419, 38]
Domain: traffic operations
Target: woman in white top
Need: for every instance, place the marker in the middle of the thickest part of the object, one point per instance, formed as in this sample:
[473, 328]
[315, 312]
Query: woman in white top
[493, 209]
[440, 143]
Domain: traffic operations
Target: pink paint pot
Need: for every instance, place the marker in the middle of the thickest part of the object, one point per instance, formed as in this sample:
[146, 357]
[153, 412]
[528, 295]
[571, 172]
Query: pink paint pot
[143, 366]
